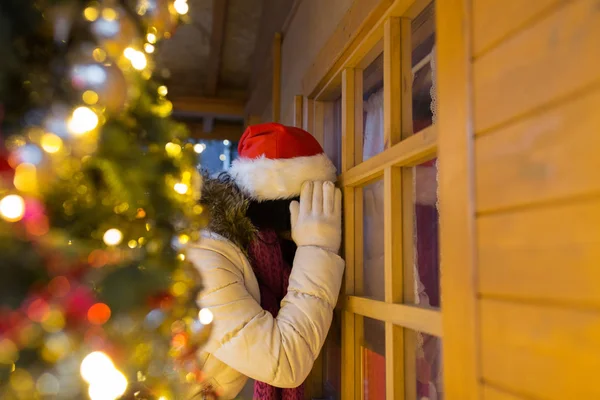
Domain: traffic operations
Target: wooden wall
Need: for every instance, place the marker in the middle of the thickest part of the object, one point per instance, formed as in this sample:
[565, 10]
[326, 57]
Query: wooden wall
[519, 94]
[314, 37]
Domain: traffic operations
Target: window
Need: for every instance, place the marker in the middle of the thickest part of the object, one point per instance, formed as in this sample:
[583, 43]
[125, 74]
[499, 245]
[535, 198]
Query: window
[385, 143]
[215, 156]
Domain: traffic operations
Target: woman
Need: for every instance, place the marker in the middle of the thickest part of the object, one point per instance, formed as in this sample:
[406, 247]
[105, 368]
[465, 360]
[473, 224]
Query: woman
[272, 298]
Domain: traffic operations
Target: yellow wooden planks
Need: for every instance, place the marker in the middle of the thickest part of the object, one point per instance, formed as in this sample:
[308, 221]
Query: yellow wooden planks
[457, 209]
[551, 59]
[425, 320]
[541, 351]
[549, 254]
[494, 20]
[490, 393]
[553, 155]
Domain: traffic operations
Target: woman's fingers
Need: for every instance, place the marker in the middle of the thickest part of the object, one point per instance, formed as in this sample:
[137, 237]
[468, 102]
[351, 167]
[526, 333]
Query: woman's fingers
[337, 208]
[306, 197]
[294, 211]
[328, 198]
[317, 200]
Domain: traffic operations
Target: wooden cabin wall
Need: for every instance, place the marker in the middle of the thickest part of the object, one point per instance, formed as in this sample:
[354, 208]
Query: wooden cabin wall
[305, 34]
[519, 93]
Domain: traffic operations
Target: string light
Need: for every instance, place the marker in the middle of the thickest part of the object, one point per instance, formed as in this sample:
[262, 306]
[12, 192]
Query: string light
[137, 58]
[51, 143]
[109, 14]
[99, 54]
[205, 316]
[226, 142]
[12, 208]
[163, 91]
[173, 149]
[181, 6]
[151, 38]
[148, 48]
[181, 188]
[112, 237]
[222, 157]
[91, 13]
[95, 364]
[90, 97]
[199, 148]
[82, 121]
[106, 382]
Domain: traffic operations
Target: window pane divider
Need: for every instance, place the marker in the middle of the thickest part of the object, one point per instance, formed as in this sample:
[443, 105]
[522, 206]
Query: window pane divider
[426, 320]
[409, 152]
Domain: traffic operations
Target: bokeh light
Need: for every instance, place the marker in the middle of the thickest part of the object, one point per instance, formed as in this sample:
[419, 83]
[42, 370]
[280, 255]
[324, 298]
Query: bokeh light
[12, 208]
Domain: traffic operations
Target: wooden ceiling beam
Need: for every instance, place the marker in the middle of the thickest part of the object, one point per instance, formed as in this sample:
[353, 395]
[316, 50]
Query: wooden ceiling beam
[216, 46]
[206, 106]
[229, 132]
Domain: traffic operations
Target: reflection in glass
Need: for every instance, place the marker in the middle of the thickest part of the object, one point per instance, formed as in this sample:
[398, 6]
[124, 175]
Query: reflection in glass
[373, 359]
[373, 248]
[426, 230]
[428, 366]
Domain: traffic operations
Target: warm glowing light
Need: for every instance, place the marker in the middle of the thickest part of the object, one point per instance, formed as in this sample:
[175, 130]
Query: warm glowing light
[148, 48]
[199, 148]
[184, 239]
[90, 97]
[82, 121]
[181, 257]
[222, 157]
[110, 386]
[95, 365]
[99, 54]
[151, 38]
[98, 314]
[205, 316]
[181, 188]
[163, 91]
[181, 6]
[129, 53]
[12, 208]
[91, 13]
[173, 149]
[51, 143]
[26, 178]
[112, 237]
[109, 14]
[137, 58]
[226, 142]
[132, 244]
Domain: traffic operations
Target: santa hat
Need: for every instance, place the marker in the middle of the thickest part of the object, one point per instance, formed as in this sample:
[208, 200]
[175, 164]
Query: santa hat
[275, 160]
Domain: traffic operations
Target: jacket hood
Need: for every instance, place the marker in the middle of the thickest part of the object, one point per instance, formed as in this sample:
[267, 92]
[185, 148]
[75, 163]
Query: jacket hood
[227, 209]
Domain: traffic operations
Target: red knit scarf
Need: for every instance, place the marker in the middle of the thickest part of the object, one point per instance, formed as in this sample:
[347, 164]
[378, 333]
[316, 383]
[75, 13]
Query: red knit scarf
[272, 273]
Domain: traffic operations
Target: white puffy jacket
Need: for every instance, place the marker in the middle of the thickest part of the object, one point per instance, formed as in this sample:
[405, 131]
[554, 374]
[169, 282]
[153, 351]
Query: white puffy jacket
[246, 341]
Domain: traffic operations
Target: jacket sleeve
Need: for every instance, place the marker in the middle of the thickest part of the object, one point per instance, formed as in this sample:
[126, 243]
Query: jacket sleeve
[279, 351]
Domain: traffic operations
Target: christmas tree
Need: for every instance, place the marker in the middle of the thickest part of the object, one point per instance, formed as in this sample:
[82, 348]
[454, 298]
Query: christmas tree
[98, 194]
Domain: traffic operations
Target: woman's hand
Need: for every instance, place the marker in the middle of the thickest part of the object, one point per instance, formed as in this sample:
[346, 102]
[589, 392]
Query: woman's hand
[317, 219]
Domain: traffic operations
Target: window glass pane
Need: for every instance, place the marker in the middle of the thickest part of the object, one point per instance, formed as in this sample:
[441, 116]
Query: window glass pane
[215, 155]
[372, 355]
[426, 350]
[373, 108]
[426, 265]
[332, 131]
[423, 64]
[373, 249]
